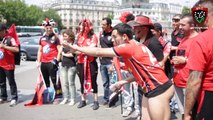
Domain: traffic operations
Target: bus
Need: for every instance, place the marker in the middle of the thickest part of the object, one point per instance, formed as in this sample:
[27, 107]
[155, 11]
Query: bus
[32, 30]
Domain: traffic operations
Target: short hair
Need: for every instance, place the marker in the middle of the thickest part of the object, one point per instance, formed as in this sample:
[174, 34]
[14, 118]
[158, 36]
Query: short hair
[70, 33]
[108, 20]
[189, 16]
[177, 15]
[123, 28]
[205, 3]
[130, 17]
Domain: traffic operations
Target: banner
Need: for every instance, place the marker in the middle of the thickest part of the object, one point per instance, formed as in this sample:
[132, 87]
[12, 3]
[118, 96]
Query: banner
[87, 76]
[40, 88]
[12, 32]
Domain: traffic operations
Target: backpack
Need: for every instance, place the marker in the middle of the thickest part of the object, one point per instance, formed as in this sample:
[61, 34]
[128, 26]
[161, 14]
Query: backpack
[17, 55]
[48, 95]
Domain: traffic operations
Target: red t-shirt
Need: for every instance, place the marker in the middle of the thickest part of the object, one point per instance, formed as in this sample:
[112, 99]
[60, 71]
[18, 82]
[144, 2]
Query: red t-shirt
[181, 72]
[49, 49]
[7, 57]
[142, 64]
[166, 45]
[84, 42]
[201, 58]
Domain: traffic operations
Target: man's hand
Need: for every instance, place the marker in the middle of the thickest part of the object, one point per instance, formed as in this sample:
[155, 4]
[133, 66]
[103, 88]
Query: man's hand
[110, 69]
[178, 59]
[187, 117]
[38, 64]
[2, 45]
[116, 87]
[73, 48]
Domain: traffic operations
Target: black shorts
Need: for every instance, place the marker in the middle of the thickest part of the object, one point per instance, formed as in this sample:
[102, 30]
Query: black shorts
[159, 90]
[205, 112]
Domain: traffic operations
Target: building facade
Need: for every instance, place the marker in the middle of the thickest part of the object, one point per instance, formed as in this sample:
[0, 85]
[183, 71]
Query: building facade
[72, 11]
[158, 11]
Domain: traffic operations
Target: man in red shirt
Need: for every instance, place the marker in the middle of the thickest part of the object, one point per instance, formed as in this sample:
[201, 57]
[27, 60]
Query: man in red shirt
[139, 61]
[48, 55]
[199, 90]
[8, 46]
[180, 59]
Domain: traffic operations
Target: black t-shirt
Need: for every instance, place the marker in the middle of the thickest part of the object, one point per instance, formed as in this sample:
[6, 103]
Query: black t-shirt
[155, 47]
[106, 42]
[68, 61]
[175, 41]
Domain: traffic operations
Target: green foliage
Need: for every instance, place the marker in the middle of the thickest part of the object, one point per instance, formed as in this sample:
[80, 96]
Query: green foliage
[186, 10]
[16, 11]
[110, 16]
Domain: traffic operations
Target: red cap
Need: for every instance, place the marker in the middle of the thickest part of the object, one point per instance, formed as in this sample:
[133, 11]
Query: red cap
[141, 21]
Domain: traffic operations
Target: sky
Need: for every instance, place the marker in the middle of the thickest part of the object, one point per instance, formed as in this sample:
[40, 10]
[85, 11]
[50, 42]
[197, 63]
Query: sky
[188, 3]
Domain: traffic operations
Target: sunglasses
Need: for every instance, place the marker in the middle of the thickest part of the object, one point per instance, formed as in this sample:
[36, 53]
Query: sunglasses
[175, 20]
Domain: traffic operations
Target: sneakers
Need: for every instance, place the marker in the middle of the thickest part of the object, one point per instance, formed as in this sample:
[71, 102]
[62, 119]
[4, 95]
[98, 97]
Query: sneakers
[127, 112]
[82, 104]
[13, 103]
[95, 105]
[137, 113]
[56, 101]
[64, 101]
[2, 101]
[72, 102]
[138, 118]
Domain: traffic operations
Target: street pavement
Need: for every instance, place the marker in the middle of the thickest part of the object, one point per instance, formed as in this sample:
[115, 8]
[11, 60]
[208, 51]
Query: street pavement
[26, 76]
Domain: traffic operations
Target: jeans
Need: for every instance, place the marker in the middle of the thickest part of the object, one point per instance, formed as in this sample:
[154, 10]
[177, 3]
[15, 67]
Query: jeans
[106, 76]
[137, 102]
[68, 80]
[127, 92]
[12, 83]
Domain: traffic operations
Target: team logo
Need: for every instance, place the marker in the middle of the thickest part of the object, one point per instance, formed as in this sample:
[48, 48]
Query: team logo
[199, 14]
[52, 40]
[46, 49]
[109, 38]
[1, 55]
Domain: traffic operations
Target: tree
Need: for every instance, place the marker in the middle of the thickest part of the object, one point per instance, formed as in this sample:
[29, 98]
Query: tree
[34, 15]
[13, 11]
[186, 10]
[111, 16]
[16, 11]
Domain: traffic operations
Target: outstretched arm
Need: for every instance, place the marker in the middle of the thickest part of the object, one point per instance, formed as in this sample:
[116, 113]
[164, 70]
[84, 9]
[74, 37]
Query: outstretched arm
[92, 51]
[192, 90]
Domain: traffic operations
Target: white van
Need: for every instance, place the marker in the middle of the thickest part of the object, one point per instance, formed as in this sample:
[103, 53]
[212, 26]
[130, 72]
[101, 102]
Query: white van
[32, 30]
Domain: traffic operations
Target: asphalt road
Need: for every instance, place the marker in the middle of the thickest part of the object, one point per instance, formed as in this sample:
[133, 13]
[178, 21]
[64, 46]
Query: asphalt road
[26, 75]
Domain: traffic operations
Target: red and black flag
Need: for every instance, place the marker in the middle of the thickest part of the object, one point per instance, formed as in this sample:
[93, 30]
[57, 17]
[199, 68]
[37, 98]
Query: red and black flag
[12, 32]
[40, 87]
[87, 76]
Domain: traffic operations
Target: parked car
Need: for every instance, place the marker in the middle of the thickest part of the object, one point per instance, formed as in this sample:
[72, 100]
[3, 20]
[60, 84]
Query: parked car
[29, 47]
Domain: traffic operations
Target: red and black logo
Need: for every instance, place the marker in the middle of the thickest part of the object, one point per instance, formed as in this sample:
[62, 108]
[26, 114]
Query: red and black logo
[199, 14]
